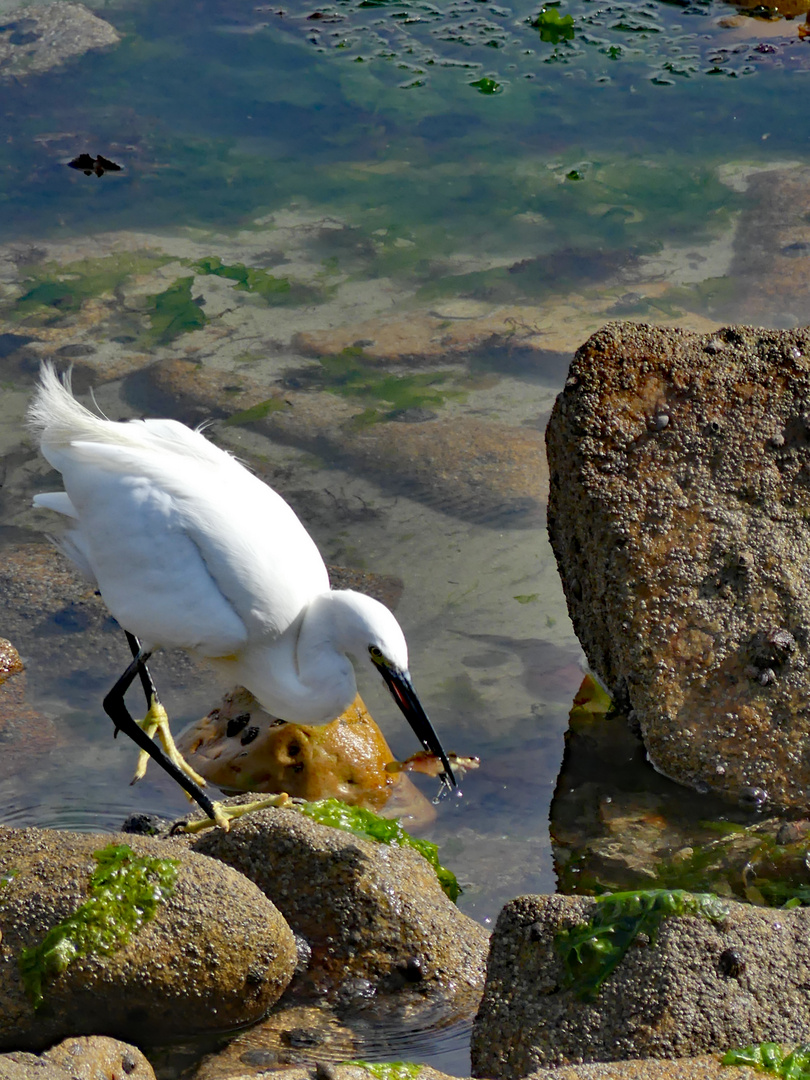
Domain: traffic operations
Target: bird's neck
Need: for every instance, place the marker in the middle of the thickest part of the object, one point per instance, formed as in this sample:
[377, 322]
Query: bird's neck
[306, 676]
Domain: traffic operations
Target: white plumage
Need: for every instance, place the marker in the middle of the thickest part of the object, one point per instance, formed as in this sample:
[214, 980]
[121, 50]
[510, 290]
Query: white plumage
[189, 549]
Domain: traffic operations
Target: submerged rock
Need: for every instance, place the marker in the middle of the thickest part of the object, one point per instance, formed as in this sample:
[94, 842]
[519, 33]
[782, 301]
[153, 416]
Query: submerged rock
[680, 496]
[698, 983]
[373, 915]
[43, 36]
[22, 729]
[292, 1036]
[130, 937]
[240, 747]
[476, 469]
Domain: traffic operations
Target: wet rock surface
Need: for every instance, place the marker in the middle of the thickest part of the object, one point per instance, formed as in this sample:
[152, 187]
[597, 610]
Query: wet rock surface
[93, 1057]
[240, 747]
[700, 985]
[678, 515]
[22, 729]
[293, 1035]
[216, 953]
[703, 1067]
[373, 915]
[44, 36]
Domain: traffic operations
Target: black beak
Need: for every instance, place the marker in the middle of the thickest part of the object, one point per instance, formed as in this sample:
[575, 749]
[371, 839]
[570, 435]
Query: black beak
[405, 696]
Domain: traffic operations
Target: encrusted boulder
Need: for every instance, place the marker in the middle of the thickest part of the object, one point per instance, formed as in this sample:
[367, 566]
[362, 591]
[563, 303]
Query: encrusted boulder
[655, 975]
[373, 915]
[92, 1057]
[130, 937]
[678, 513]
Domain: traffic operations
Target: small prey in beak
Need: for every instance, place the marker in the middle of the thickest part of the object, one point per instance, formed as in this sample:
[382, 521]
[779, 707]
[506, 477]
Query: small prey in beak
[403, 693]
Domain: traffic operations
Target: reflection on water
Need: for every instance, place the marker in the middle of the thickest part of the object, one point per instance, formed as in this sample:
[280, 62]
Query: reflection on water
[368, 228]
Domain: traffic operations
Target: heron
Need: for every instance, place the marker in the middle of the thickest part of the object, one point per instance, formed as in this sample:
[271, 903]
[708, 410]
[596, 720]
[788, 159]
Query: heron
[190, 549]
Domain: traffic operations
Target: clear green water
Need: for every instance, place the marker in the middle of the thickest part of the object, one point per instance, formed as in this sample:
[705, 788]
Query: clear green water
[579, 169]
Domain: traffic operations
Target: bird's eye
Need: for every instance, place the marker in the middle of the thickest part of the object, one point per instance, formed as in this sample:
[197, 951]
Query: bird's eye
[376, 654]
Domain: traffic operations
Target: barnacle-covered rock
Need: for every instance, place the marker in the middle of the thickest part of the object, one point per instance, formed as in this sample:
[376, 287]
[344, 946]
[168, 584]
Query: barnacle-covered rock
[679, 508]
[130, 937]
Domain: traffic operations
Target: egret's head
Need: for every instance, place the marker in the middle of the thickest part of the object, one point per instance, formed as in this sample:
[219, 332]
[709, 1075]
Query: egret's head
[380, 637]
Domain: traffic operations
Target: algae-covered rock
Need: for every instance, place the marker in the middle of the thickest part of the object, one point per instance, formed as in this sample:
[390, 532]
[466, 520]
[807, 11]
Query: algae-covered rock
[664, 975]
[130, 937]
[374, 915]
[679, 507]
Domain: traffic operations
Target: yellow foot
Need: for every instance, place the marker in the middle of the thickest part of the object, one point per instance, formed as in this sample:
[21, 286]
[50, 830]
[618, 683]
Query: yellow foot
[157, 722]
[224, 815]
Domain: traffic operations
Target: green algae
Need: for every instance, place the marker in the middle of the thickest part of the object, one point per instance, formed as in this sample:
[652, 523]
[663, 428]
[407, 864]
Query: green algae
[486, 85]
[773, 1059]
[273, 290]
[58, 289]
[352, 375]
[552, 25]
[256, 412]
[172, 313]
[591, 951]
[364, 823]
[388, 1070]
[125, 891]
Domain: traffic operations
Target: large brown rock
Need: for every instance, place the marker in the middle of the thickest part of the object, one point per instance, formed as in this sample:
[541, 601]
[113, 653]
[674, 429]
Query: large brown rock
[374, 915]
[216, 954]
[699, 986]
[679, 507]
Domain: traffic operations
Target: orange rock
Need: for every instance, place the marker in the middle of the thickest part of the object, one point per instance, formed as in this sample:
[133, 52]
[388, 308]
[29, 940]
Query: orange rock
[240, 747]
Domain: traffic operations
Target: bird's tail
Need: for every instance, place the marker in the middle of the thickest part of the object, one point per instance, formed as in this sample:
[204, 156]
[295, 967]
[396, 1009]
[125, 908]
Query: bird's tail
[55, 415]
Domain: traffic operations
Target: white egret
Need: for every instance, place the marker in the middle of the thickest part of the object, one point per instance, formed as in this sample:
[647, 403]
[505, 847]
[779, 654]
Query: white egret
[189, 549]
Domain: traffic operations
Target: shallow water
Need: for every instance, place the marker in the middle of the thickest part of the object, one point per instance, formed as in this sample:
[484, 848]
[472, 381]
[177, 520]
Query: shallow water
[425, 161]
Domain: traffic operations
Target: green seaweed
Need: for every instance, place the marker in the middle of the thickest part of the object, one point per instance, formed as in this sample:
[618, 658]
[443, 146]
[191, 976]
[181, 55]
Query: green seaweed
[274, 290]
[172, 313]
[591, 951]
[360, 822]
[55, 288]
[388, 1070]
[552, 25]
[351, 375]
[256, 412]
[125, 891]
[774, 1059]
[485, 85]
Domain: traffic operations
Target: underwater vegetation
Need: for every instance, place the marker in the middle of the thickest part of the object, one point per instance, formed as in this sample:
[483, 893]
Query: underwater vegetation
[350, 374]
[274, 290]
[53, 290]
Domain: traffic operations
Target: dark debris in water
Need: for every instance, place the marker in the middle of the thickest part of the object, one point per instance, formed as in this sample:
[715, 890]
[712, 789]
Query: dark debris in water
[410, 41]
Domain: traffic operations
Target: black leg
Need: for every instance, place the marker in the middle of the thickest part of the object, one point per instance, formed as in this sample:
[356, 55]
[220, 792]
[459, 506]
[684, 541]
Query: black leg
[149, 688]
[115, 707]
